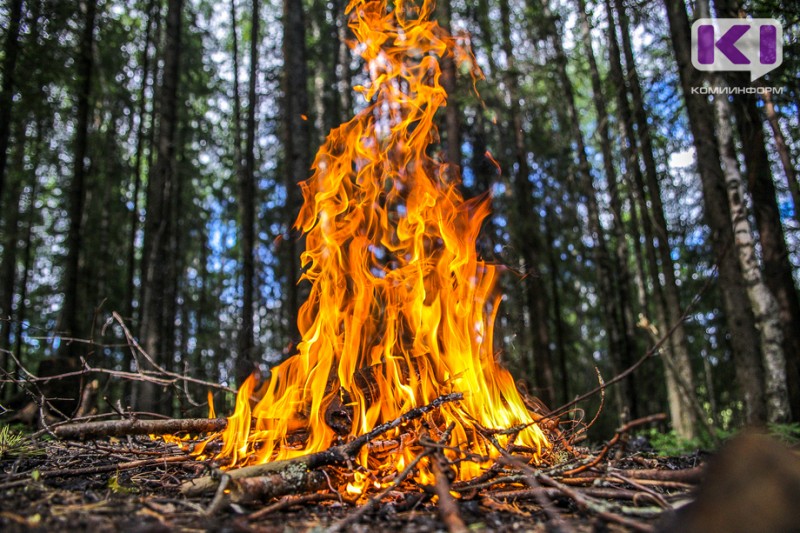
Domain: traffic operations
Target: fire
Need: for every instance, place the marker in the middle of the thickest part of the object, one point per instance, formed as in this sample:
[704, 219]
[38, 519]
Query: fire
[401, 308]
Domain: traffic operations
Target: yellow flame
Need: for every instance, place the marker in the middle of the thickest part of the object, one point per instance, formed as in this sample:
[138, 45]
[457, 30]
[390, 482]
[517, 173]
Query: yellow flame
[401, 308]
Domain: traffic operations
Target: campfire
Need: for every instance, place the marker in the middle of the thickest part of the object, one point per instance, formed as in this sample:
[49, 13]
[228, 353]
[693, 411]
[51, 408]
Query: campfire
[401, 306]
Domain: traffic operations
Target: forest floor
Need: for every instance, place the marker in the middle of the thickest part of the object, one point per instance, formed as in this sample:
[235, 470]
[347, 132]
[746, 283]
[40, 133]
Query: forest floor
[134, 484]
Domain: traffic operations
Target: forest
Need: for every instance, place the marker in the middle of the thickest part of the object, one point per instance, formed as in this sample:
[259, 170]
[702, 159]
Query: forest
[152, 151]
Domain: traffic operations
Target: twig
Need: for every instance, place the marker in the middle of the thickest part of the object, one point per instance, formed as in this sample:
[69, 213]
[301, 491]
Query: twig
[689, 475]
[335, 455]
[448, 507]
[659, 499]
[290, 501]
[588, 504]
[621, 431]
[375, 500]
[650, 353]
[530, 478]
[219, 496]
[116, 428]
[86, 471]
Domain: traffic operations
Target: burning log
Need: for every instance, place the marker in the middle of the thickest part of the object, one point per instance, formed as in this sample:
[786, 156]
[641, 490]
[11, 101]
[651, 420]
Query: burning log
[118, 428]
[298, 468]
[288, 481]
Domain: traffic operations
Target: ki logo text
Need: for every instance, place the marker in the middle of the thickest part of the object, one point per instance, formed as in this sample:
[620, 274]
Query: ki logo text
[752, 45]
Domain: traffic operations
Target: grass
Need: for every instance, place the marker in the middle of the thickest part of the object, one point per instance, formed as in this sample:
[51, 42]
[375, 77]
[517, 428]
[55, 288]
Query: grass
[15, 444]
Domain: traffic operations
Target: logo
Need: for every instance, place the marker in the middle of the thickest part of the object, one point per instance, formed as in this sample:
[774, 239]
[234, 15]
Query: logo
[754, 45]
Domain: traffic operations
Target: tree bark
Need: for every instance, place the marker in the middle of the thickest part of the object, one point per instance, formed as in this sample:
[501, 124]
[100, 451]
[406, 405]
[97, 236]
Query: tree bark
[668, 308]
[783, 152]
[154, 332]
[10, 248]
[735, 303]
[528, 234]
[152, 13]
[763, 302]
[774, 253]
[296, 140]
[619, 309]
[247, 212]
[451, 112]
[7, 91]
[72, 318]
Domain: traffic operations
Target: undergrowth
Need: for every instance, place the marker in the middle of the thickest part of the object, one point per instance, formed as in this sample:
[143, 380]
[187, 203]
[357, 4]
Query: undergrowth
[669, 444]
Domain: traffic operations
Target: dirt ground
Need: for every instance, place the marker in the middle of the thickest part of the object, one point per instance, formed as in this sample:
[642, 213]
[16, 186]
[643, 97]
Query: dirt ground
[132, 484]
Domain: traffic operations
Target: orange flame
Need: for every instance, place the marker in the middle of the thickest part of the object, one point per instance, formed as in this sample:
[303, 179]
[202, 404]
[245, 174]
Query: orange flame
[401, 308]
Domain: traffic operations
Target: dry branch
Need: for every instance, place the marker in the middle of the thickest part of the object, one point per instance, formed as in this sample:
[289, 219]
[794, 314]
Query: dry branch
[448, 507]
[618, 435]
[375, 500]
[117, 428]
[263, 488]
[300, 466]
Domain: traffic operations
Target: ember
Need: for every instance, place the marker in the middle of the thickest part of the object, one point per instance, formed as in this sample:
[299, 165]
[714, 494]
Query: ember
[401, 308]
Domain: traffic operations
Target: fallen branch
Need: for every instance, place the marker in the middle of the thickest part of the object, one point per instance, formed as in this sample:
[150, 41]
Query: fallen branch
[117, 428]
[290, 501]
[263, 488]
[25, 478]
[618, 435]
[596, 507]
[448, 507]
[300, 466]
[689, 475]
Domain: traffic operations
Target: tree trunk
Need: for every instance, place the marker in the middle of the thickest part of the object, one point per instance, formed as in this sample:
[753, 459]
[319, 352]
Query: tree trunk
[247, 202]
[451, 114]
[10, 247]
[783, 152]
[735, 303]
[345, 75]
[527, 234]
[558, 316]
[137, 165]
[154, 332]
[297, 138]
[619, 347]
[619, 309]
[763, 302]
[7, 91]
[774, 253]
[72, 318]
[668, 308]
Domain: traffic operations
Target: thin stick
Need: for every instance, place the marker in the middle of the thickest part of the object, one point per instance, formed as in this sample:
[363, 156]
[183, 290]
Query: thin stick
[68, 472]
[590, 505]
[448, 507]
[375, 500]
[650, 353]
[290, 501]
[299, 466]
[116, 428]
[621, 431]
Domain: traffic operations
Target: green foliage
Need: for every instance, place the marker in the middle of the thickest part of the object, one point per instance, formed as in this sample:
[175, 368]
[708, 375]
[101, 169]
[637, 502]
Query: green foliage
[787, 433]
[16, 444]
[671, 445]
[115, 486]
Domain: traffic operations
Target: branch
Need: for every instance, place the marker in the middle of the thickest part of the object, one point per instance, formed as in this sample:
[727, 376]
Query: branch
[116, 428]
[335, 455]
